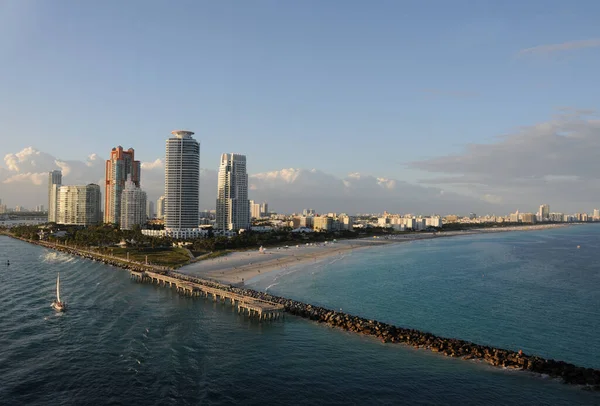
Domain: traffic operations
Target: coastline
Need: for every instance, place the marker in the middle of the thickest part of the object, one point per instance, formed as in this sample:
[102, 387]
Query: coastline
[242, 267]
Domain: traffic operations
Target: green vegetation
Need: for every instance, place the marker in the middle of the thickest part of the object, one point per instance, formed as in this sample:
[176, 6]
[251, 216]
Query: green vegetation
[170, 257]
[212, 255]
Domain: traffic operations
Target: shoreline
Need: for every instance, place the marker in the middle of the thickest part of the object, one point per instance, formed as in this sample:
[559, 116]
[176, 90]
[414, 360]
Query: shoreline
[241, 267]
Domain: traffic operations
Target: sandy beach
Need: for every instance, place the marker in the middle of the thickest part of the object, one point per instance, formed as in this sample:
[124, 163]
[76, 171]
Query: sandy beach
[242, 266]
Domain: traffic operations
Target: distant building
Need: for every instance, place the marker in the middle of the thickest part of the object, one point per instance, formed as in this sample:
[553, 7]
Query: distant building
[160, 208]
[544, 212]
[528, 218]
[133, 206]
[79, 205]
[596, 215]
[149, 209]
[322, 223]
[119, 168]
[182, 182]
[54, 183]
[255, 210]
[233, 206]
[308, 212]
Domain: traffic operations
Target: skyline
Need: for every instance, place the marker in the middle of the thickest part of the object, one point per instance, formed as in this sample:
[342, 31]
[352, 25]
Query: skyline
[485, 109]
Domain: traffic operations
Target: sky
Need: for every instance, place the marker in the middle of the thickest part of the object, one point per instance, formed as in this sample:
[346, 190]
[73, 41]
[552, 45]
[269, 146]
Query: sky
[405, 106]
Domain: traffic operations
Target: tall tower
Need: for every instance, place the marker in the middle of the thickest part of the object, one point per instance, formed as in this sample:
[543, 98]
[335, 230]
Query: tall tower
[119, 167]
[54, 183]
[233, 206]
[182, 181]
[544, 212]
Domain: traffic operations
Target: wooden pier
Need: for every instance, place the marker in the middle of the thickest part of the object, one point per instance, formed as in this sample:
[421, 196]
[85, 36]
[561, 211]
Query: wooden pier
[261, 309]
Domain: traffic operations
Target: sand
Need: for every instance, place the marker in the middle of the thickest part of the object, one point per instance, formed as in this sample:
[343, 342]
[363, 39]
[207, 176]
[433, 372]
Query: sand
[242, 266]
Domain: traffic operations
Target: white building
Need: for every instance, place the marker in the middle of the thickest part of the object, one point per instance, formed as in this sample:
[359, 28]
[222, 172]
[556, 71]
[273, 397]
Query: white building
[54, 183]
[133, 206]
[544, 212]
[178, 234]
[182, 181]
[160, 208]
[434, 221]
[149, 209]
[233, 207]
[79, 205]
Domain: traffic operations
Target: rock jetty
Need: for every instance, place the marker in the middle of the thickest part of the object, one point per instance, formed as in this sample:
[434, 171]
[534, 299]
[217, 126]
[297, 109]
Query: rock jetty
[452, 347]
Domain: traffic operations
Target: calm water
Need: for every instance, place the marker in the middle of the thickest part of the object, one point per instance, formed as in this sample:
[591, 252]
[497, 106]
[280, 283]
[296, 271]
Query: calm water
[127, 343]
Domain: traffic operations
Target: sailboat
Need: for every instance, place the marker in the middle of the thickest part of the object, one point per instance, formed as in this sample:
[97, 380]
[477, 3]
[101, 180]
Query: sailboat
[57, 304]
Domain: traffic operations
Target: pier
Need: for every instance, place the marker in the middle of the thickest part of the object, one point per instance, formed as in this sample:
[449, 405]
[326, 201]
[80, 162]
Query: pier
[253, 307]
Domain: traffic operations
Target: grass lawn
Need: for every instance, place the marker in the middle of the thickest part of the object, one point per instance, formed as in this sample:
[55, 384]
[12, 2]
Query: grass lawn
[156, 256]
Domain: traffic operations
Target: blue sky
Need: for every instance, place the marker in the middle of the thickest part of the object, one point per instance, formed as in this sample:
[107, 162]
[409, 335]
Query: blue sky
[341, 86]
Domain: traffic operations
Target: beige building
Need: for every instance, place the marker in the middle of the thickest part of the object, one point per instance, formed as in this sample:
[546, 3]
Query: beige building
[79, 205]
[322, 223]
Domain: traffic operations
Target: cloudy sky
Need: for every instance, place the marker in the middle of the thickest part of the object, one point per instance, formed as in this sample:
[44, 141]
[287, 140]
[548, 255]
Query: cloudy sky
[416, 106]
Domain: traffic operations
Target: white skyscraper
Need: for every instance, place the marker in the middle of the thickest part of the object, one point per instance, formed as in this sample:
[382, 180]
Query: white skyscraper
[54, 182]
[182, 181]
[544, 212]
[233, 206]
[133, 206]
[160, 208]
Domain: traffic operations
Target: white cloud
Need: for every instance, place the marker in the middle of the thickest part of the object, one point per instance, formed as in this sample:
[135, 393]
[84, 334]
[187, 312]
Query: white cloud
[286, 190]
[34, 178]
[564, 46]
[557, 160]
[157, 163]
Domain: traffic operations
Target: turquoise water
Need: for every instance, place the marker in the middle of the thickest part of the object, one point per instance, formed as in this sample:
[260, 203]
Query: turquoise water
[128, 343]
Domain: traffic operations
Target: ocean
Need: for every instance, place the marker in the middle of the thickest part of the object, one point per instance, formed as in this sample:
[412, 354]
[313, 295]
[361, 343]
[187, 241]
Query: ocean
[127, 343]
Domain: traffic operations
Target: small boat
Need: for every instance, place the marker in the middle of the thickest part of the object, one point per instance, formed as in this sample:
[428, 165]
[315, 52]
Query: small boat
[57, 304]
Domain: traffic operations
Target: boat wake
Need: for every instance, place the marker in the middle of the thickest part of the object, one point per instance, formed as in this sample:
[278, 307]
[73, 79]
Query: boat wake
[55, 257]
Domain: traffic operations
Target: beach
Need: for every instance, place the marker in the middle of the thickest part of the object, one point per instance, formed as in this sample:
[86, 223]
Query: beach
[242, 266]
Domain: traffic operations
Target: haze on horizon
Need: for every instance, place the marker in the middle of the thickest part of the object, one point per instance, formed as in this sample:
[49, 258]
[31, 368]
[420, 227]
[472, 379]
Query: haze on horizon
[424, 107]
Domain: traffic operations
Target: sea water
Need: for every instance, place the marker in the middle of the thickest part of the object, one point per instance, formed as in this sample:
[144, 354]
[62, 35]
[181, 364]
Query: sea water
[127, 343]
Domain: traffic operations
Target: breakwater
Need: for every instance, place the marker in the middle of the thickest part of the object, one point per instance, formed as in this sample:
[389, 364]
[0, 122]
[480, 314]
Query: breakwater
[569, 373]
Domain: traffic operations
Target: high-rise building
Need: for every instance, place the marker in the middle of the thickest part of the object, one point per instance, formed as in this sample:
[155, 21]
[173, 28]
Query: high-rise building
[79, 205]
[54, 183]
[596, 215]
[160, 208]
[149, 209]
[544, 212]
[133, 206]
[121, 166]
[182, 181]
[233, 207]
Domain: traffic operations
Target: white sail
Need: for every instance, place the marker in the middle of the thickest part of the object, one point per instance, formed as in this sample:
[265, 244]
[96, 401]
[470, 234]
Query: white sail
[58, 288]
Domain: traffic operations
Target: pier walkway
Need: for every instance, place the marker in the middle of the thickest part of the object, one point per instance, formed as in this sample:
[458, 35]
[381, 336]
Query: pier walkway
[261, 309]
